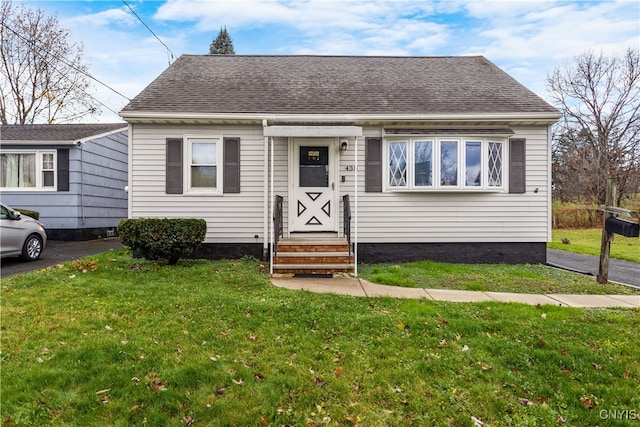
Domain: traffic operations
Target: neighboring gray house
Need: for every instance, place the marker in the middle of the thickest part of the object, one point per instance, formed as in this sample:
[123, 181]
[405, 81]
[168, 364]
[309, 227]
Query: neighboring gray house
[444, 158]
[73, 174]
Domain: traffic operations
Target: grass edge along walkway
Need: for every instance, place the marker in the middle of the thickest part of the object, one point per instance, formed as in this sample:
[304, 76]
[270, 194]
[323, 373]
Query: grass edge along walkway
[359, 287]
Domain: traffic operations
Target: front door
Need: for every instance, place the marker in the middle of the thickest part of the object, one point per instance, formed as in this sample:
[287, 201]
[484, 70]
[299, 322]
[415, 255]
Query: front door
[313, 204]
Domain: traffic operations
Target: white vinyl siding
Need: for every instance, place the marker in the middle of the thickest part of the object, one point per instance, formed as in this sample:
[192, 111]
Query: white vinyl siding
[460, 216]
[231, 218]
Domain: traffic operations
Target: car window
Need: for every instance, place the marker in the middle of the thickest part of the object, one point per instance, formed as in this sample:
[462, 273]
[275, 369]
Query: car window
[4, 214]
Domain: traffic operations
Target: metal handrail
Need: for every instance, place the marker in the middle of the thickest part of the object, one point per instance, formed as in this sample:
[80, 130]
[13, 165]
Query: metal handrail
[277, 222]
[346, 221]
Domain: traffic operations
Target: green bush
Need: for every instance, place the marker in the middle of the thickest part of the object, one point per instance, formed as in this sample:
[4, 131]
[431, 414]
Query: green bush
[162, 238]
[27, 212]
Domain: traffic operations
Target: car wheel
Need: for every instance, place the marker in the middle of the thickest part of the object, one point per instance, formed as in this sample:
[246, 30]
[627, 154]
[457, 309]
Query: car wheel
[32, 248]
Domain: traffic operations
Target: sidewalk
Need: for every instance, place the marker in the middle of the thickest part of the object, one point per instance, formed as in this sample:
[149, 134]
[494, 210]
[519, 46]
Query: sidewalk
[361, 288]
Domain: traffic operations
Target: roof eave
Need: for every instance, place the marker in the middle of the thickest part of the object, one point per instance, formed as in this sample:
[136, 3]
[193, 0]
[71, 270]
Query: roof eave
[165, 117]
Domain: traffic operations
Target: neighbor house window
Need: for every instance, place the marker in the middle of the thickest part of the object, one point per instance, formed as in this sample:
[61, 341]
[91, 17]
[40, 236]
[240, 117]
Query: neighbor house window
[28, 170]
[445, 164]
[205, 171]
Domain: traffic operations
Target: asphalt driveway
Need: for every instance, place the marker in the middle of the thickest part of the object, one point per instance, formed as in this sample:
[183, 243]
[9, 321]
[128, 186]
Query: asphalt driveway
[619, 271]
[58, 251]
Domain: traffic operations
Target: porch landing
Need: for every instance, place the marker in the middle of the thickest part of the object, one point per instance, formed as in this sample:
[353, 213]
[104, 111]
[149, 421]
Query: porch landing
[313, 256]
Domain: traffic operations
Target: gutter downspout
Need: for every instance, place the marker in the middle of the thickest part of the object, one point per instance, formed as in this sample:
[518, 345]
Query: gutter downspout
[271, 237]
[265, 190]
[355, 236]
[80, 146]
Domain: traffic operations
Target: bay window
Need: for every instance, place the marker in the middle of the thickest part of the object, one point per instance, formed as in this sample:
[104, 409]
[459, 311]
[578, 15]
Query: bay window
[424, 164]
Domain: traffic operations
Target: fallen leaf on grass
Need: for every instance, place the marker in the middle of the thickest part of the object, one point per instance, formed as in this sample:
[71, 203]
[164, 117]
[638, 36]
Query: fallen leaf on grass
[99, 392]
[319, 382]
[188, 420]
[238, 382]
[561, 419]
[597, 366]
[587, 402]
[353, 420]
[476, 422]
[626, 374]
[339, 371]
[525, 402]
[157, 385]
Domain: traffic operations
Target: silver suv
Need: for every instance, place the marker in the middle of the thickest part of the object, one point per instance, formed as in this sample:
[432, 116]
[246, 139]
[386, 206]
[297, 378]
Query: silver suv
[20, 235]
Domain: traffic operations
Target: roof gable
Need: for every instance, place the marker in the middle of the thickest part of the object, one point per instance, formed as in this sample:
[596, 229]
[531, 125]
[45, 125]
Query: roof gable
[228, 84]
[60, 133]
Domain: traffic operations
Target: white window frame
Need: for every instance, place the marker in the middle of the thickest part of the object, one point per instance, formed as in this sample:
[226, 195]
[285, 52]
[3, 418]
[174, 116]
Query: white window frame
[218, 140]
[39, 181]
[461, 154]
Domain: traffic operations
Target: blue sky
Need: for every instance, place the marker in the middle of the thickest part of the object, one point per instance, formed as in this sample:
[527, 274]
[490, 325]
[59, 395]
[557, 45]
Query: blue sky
[528, 39]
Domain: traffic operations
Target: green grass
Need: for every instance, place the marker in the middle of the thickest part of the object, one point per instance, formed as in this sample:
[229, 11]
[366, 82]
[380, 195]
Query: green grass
[587, 241]
[110, 340]
[532, 279]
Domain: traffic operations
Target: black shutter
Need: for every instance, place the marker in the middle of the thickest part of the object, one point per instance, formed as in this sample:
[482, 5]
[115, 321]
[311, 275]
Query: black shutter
[63, 169]
[231, 167]
[517, 165]
[174, 166]
[373, 165]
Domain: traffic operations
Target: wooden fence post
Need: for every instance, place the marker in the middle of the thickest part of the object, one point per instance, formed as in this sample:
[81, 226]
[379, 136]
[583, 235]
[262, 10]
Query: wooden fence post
[607, 237]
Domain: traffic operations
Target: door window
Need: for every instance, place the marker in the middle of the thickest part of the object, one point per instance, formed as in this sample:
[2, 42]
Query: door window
[314, 166]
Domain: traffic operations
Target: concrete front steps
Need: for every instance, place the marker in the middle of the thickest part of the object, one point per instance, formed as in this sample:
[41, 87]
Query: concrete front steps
[313, 256]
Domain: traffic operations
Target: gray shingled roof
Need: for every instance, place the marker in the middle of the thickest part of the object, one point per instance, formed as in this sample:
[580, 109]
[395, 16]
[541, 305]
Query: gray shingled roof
[335, 85]
[56, 132]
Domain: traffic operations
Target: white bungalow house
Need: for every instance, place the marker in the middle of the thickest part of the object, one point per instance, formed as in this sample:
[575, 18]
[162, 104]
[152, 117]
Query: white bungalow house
[378, 158]
[74, 175]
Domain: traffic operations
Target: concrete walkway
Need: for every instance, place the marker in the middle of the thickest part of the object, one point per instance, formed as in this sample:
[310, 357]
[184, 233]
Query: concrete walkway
[361, 288]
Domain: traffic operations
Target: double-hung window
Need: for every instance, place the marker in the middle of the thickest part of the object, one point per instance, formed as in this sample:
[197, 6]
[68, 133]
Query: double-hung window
[445, 164]
[25, 170]
[204, 173]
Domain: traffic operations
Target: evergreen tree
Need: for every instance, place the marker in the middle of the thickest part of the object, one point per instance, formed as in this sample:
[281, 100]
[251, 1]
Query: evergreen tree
[222, 45]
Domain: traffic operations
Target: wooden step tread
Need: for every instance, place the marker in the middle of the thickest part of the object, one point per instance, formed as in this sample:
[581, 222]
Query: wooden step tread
[311, 266]
[311, 254]
[319, 241]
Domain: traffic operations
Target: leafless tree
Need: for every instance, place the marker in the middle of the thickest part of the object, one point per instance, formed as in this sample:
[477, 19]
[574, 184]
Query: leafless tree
[42, 74]
[599, 133]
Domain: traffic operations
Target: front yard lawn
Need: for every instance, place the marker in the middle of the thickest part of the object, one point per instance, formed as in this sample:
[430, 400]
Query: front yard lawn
[530, 279]
[587, 241]
[110, 340]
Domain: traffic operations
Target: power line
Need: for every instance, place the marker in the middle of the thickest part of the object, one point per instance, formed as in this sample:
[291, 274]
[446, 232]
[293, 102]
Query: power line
[37, 50]
[63, 60]
[151, 31]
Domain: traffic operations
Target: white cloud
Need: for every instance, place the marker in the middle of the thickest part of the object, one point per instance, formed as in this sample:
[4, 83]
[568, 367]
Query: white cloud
[525, 38]
[106, 18]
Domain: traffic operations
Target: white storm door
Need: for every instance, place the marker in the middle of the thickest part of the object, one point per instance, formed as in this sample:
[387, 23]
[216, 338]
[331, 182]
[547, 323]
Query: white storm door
[313, 204]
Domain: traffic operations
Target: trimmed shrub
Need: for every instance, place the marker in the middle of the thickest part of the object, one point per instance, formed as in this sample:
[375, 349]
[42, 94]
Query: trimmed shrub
[28, 212]
[162, 238]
